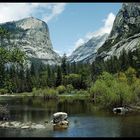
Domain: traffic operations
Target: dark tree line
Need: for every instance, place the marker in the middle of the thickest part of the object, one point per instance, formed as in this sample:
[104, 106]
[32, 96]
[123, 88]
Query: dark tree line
[117, 64]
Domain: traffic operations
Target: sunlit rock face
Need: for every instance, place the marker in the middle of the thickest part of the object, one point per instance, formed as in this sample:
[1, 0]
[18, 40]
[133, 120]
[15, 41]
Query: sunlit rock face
[125, 33]
[87, 51]
[31, 35]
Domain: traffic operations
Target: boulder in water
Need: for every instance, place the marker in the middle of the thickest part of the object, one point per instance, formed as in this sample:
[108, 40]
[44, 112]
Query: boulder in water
[59, 116]
[60, 120]
[120, 110]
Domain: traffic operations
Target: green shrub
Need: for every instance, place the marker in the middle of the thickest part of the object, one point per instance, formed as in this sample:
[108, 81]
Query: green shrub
[35, 92]
[47, 93]
[109, 92]
[74, 79]
[82, 92]
[69, 88]
[3, 91]
[50, 93]
[61, 89]
[136, 89]
[131, 75]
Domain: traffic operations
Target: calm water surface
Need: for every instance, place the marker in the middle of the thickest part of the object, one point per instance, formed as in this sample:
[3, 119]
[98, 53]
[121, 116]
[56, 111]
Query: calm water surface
[85, 120]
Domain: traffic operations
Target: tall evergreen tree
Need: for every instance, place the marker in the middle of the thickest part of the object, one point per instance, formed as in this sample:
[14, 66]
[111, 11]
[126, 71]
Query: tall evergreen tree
[74, 67]
[49, 76]
[64, 64]
[28, 81]
[59, 76]
[124, 60]
[32, 69]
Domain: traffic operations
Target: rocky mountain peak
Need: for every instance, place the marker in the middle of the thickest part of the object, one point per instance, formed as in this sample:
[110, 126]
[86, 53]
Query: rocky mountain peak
[87, 51]
[125, 33]
[127, 21]
[31, 23]
[31, 35]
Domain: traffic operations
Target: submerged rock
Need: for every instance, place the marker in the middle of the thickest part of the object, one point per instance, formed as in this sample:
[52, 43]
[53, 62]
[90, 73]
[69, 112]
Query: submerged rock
[61, 125]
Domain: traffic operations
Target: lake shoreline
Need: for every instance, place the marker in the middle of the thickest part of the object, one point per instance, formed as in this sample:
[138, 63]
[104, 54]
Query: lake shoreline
[64, 97]
[30, 95]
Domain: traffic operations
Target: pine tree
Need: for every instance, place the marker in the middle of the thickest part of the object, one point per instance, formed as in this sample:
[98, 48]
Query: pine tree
[130, 58]
[28, 81]
[74, 67]
[59, 76]
[21, 79]
[124, 60]
[32, 69]
[64, 65]
[95, 70]
[49, 76]
[68, 68]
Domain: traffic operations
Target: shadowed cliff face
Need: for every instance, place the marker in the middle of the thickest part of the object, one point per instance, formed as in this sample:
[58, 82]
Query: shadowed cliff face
[31, 35]
[125, 33]
[127, 22]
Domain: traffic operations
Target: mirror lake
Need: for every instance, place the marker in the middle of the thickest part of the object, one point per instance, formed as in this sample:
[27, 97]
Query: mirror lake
[85, 120]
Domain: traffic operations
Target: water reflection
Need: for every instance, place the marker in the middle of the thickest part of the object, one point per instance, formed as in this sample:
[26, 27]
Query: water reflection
[85, 119]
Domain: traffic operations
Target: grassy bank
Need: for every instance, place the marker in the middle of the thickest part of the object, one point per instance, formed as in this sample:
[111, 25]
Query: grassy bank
[50, 93]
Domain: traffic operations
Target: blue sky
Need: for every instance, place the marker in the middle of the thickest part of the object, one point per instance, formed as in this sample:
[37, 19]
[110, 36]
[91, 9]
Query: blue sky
[70, 24]
[76, 21]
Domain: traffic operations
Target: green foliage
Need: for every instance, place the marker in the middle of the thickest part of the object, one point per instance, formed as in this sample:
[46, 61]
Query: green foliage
[47, 93]
[61, 89]
[50, 93]
[74, 79]
[82, 92]
[122, 77]
[136, 89]
[13, 57]
[9, 86]
[4, 56]
[59, 76]
[64, 64]
[69, 88]
[17, 56]
[108, 91]
[3, 91]
[131, 75]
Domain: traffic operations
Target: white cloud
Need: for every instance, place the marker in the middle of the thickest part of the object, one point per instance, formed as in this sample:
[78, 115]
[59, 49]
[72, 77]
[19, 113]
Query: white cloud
[16, 11]
[56, 10]
[108, 23]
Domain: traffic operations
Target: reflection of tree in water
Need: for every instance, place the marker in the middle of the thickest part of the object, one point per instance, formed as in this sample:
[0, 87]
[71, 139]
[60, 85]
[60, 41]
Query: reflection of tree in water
[73, 107]
[130, 126]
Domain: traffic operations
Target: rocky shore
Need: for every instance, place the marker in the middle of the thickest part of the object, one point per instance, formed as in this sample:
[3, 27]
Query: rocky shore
[20, 125]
